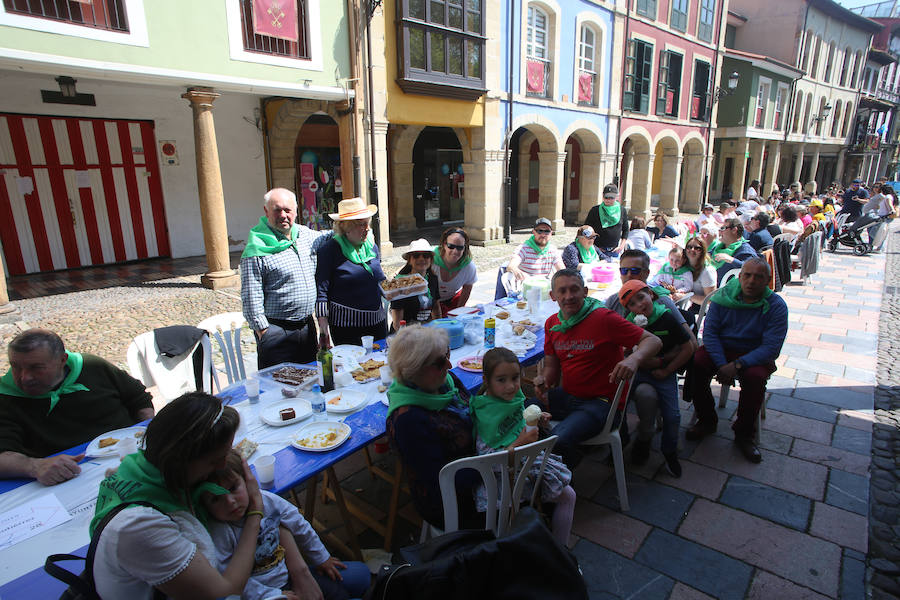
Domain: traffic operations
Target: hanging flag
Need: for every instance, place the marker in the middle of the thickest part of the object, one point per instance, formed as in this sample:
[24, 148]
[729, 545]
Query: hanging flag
[276, 18]
[586, 88]
[535, 77]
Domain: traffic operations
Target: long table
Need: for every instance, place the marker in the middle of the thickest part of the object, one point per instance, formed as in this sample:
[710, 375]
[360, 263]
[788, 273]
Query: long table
[21, 572]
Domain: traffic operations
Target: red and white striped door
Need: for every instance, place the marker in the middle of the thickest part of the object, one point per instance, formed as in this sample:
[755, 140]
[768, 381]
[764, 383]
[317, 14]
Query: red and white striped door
[77, 192]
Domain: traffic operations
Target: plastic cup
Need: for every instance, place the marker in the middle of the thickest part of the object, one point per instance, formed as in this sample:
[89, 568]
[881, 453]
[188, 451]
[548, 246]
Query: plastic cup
[367, 341]
[126, 446]
[488, 311]
[265, 469]
[343, 379]
[251, 386]
[386, 376]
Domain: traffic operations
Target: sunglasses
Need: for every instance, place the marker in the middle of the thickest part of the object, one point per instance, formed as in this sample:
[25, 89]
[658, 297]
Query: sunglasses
[440, 363]
[630, 270]
[543, 231]
[697, 248]
[455, 247]
[730, 227]
[420, 255]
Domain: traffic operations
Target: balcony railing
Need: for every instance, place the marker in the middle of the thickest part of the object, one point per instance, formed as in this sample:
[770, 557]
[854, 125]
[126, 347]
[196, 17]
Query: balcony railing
[537, 78]
[264, 44]
[99, 14]
[888, 94]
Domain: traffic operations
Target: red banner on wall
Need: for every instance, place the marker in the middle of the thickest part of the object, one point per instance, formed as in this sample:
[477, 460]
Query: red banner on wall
[586, 88]
[535, 77]
[276, 18]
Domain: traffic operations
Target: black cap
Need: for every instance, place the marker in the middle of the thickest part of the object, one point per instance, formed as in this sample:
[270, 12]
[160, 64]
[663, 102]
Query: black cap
[610, 190]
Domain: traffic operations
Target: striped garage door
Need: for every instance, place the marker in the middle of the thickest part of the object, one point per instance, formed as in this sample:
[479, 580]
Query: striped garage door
[77, 192]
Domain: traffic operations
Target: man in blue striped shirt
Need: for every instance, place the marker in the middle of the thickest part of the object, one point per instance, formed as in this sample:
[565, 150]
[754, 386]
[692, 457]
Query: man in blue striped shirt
[278, 289]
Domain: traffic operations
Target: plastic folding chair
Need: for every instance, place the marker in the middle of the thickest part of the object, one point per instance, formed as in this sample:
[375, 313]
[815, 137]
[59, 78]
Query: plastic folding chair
[172, 375]
[225, 328]
[499, 515]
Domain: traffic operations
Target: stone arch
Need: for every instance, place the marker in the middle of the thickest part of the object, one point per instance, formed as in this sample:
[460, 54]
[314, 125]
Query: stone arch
[636, 170]
[543, 129]
[536, 131]
[283, 132]
[666, 170]
[586, 167]
[693, 156]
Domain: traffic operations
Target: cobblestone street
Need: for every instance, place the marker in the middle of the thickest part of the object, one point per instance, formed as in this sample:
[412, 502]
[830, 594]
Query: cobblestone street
[804, 523]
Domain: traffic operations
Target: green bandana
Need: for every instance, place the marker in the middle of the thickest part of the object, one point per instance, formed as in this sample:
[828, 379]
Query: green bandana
[667, 270]
[497, 421]
[264, 241]
[74, 364]
[610, 215]
[138, 480]
[533, 245]
[717, 247]
[439, 261]
[587, 256]
[400, 395]
[360, 255]
[658, 311]
[589, 306]
[729, 296]
[660, 290]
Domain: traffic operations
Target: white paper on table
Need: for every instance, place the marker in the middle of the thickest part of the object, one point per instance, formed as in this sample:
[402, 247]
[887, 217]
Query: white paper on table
[28, 520]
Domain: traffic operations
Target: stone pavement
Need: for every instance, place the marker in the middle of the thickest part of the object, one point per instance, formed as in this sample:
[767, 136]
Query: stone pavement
[794, 526]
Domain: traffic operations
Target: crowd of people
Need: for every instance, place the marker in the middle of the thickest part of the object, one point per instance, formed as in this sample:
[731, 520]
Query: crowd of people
[197, 523]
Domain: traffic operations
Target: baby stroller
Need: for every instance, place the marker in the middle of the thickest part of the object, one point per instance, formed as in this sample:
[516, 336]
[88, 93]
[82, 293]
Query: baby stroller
[851, 235]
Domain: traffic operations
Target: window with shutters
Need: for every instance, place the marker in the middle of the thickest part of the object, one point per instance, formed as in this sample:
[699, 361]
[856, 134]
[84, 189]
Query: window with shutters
[441, 46]
[646, 8]
[100, 14]
[762, 103]
[700, 98]
[537, 76]
[678, 18]
[668, 84]
[587, 66]
[638, 74]
[780, 99]
[706, 22]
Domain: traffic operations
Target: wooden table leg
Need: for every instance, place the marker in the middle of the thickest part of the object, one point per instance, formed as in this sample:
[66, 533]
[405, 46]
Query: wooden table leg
[309, 507]
[392, 508]
[348, 518]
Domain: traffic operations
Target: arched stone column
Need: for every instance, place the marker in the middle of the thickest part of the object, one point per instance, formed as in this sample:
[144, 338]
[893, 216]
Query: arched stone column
[550, 204]
[693, 181]
[403, 195]
[384, 225]
[283, 132]
[771, 175]
[591, 182]
[739, 171]
[812, 184]
[798, 162]
[641, 172]
[670, 185]
[209, 184]
[756, 162]
[841, 163]
[484, 197]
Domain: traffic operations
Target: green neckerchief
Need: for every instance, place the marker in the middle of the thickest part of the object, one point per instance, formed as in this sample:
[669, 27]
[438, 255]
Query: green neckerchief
[729, 296]
[589, 306]
[138, 480]
[658, 311]
[587, 256]
[667, 270]
[74, 364]
[497, 421]
[401, 395]
[439, 261]
[540, 251]
[660, 290]
[718, 246]
[360, 255]
[263, 240]
[610, 215]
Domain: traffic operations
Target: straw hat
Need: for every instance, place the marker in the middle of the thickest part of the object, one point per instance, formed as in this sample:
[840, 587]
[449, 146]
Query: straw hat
[419, 245]
[353, 208]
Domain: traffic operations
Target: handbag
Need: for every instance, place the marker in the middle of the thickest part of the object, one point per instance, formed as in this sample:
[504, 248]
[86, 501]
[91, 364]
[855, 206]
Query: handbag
[81, 587]
[525, 563]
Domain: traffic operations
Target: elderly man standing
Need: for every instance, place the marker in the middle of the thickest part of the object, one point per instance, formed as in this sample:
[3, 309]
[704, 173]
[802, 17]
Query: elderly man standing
[609, 220]
[536, 256]
[51, 400]
[743, 333]
[278, 288]
[730, 250]
[583, 356]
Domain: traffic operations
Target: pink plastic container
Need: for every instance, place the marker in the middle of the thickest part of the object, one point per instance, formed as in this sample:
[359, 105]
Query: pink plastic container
[603, 273]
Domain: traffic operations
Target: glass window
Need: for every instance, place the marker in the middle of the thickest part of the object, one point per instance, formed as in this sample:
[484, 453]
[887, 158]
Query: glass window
[707, 20]
[441, 43]
[780, 97]
[587, 59]
[99, 14]
[700, 98]
[537, 76]
[668, 87]
[638, 65]
[678, 20]
[762, 103]
[647, 8]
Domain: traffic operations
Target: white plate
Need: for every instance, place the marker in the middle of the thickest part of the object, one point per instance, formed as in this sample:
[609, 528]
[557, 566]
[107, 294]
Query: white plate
[348, 350]
[462, 310]
[94, 450]
[349, 401]
[270, 414]
[342, 431]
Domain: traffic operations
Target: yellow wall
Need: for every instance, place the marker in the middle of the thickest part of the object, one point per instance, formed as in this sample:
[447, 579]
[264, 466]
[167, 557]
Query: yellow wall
[416, 109]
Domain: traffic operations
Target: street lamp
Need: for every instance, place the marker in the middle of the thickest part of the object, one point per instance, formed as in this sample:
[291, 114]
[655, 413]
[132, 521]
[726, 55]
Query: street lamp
[823, 115]
[732, 84]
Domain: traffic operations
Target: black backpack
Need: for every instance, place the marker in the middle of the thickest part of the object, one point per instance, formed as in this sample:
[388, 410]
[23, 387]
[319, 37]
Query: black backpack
[81, 587]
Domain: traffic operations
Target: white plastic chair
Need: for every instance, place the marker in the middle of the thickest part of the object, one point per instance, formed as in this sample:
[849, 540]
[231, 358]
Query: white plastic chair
[498, 516]
[174, 375]
[226, 329]
[610, 436]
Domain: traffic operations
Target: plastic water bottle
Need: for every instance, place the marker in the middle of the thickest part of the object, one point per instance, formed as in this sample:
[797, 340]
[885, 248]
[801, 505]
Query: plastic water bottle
[489, 332]
[317, 402]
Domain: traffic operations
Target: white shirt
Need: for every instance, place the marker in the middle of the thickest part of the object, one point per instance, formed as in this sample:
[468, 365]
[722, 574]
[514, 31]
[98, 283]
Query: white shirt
[468, 275]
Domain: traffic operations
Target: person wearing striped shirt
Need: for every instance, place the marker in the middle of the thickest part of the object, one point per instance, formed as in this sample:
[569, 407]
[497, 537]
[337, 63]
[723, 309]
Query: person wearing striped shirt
[278, 292]
[536, 256]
